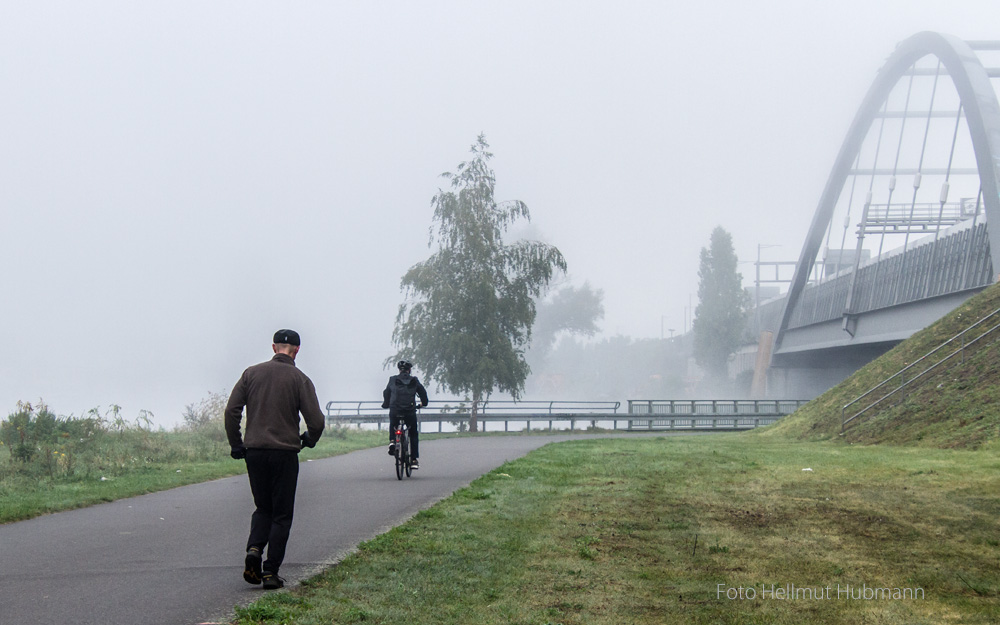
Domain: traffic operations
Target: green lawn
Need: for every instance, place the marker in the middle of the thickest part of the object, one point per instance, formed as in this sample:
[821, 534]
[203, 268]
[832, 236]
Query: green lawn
[670, 530]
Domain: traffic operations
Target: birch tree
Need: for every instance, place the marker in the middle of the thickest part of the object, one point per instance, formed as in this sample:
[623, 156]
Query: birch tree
[468, 309]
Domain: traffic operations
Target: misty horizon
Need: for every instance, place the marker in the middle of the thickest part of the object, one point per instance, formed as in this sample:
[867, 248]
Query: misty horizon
[180, 180]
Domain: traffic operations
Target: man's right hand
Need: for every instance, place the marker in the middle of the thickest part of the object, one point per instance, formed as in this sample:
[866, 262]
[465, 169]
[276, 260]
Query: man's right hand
[238, 453]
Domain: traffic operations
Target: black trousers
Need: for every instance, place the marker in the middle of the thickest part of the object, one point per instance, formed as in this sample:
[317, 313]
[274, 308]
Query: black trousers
[409, 415]
[274, 474]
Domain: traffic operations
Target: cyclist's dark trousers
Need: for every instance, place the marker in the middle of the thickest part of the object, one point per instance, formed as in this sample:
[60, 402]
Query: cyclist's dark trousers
[273, 475]
[410, 416]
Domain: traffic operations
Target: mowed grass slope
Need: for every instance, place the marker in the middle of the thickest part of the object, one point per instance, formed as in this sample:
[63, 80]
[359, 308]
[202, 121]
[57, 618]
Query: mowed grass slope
[668, 530]
[957, 407]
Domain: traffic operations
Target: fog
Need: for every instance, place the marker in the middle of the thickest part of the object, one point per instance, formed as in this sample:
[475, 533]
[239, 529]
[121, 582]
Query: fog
[180, 179]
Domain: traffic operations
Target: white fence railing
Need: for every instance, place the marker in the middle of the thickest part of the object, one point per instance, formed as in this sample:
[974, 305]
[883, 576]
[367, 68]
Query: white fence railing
[681, 407]
[643, 415]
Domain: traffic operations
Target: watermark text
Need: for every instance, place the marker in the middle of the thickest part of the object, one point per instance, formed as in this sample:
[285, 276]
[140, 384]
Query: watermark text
[834, 592]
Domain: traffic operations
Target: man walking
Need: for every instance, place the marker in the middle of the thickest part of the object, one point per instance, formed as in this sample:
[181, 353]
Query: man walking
[274, 393]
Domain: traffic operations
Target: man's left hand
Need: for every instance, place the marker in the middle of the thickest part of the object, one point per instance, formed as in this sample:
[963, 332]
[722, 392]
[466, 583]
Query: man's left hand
[307, 440]
[238, 453]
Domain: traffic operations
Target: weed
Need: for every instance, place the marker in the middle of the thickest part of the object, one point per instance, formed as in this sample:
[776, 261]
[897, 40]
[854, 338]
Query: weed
[355, 614]
[585, 547]
[280, 607]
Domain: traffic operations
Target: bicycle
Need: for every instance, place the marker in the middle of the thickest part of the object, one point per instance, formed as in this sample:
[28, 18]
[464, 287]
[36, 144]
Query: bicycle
[404, 463]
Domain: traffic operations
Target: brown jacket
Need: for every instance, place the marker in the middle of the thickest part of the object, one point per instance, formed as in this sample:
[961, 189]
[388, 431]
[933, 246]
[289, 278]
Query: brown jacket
[274, 393]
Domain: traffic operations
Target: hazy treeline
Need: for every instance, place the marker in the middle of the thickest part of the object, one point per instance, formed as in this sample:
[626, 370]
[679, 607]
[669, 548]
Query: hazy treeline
[612, 369]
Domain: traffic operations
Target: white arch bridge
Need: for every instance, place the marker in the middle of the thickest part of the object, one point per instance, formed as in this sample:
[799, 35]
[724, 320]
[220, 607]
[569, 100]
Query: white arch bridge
[901, 234]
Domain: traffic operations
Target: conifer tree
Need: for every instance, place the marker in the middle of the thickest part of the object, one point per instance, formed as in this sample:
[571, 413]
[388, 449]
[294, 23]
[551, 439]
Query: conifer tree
[723, 305]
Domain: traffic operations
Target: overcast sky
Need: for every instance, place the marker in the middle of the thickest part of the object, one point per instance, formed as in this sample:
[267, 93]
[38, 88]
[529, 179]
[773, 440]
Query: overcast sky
[180, 179]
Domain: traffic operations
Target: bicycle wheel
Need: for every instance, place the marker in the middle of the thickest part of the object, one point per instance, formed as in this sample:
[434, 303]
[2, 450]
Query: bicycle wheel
[399, 457]
[406, 453]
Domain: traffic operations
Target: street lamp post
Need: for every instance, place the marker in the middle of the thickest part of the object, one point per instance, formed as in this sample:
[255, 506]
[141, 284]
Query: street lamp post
[756, 283]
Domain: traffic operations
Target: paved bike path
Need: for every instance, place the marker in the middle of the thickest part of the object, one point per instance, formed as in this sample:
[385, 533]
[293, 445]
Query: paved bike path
[176, 557]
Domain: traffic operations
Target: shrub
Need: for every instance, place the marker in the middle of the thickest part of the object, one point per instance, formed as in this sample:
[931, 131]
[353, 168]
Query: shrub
[207, 417]
[43, 444]
[28, 428]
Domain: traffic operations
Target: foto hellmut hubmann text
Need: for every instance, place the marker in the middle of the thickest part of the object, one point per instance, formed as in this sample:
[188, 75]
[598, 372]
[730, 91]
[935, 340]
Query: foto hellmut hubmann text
[817, 593]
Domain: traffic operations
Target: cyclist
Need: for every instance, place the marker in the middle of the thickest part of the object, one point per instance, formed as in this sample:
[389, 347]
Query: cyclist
[399, 397]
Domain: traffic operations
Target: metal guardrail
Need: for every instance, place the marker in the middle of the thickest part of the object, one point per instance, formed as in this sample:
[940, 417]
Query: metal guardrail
[643, 415]
[681, 407]
[708, 414]
[889, 389]
[720, 423]
[336, 409]
[458, 413]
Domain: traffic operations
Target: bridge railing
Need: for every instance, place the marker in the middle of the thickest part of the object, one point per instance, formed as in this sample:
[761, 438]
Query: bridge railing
[918, 370]
[643, 414]
[954, 263]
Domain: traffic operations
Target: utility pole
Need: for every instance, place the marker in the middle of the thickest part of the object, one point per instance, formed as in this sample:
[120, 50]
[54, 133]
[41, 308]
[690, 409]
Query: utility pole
[756, 285]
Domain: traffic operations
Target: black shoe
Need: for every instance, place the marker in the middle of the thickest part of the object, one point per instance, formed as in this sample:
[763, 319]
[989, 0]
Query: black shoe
[272, 581]
[392, 449]
[415, 464]
[251, 571]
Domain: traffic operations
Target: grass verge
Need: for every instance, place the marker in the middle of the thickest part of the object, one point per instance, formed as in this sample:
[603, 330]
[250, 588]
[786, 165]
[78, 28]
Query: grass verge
[669, 529]
[181, 458]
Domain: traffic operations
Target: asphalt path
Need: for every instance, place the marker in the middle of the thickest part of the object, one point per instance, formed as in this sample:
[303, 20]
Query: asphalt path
[176, 557]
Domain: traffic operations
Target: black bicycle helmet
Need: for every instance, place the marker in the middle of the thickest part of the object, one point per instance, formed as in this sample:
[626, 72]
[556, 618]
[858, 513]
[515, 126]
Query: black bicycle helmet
[404, 364]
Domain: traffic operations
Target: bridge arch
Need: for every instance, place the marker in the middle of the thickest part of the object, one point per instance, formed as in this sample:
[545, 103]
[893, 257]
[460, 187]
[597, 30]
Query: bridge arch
[982, 113]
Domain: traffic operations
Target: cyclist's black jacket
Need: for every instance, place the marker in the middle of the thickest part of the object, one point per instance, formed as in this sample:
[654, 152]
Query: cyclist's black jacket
[401, 392]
